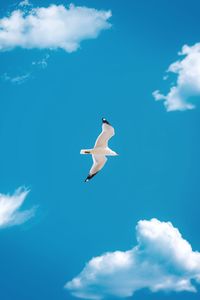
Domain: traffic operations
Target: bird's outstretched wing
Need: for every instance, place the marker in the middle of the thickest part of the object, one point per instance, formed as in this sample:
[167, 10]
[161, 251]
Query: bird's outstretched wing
[107, 132]
[98, 163]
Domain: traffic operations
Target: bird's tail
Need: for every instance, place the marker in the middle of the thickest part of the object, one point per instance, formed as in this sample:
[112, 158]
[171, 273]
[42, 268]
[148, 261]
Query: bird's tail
[85, 151]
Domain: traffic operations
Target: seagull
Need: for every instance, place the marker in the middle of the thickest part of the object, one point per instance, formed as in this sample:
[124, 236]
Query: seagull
[101, 149]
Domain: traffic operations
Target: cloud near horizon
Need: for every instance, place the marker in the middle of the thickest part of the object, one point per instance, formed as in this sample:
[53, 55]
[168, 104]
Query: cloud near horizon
[51, 27]
[161, 261]
[10, 213]
[187, 83]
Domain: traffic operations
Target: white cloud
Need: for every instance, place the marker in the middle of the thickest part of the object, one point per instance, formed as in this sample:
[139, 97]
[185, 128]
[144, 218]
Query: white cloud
[53, 27]
[19, 79]
[187, 83]
[162, 261]
[10, 213]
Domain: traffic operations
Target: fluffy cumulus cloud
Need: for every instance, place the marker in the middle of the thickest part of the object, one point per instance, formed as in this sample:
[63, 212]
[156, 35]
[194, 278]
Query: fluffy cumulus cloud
[161, 261]
[10, 213]
[187, 83]
[51, 27]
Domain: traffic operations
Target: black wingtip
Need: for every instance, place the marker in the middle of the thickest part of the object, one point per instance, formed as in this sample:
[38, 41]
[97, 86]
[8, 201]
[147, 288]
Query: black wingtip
[90, 177]
[105, 121]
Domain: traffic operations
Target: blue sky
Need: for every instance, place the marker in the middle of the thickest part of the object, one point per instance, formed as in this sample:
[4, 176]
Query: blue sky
[47, 116]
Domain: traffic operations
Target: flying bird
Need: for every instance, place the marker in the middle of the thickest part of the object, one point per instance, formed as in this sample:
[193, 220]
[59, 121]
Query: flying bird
[101, 149]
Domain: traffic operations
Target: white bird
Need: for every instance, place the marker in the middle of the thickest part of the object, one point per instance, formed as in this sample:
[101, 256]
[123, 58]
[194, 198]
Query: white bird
[101, 149]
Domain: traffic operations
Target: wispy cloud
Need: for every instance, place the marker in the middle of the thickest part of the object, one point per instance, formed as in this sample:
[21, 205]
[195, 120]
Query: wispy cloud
[24, 3]
[187, 83]
[19, 79]
[10, 213]
[42, 62]
[51, 27]
[162, 261]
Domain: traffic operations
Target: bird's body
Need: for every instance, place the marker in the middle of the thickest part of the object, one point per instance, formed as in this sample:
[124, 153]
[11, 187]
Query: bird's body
[101, 149]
